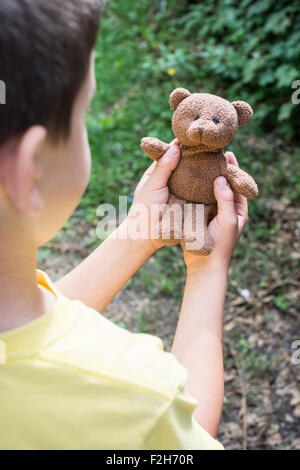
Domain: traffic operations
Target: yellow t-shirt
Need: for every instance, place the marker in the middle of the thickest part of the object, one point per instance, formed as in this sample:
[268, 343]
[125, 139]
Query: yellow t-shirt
[74, 380]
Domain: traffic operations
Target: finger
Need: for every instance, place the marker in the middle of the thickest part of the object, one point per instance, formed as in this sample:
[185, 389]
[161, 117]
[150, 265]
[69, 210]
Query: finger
[150, 170]
[231, 158]
[242, 220]
[241, 204]
[165, 165]
[226, 205]
[175, 141]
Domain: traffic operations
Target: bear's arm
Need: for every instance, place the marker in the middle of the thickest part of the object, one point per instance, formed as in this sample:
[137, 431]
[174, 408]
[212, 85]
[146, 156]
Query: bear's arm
[153, 147]
[239, 180]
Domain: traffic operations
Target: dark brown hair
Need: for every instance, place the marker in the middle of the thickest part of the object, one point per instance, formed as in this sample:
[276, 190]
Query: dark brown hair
[45, 47]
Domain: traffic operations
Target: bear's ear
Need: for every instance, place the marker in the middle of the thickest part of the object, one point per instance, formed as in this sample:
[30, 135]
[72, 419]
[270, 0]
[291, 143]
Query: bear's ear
[178, 95]
[244, 111]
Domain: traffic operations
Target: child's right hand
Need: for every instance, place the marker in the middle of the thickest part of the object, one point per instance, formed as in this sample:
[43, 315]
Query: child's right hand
[226, 228]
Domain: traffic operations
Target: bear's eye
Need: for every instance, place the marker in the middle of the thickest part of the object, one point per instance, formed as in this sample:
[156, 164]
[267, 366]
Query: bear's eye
[196, 117]
[216, 120]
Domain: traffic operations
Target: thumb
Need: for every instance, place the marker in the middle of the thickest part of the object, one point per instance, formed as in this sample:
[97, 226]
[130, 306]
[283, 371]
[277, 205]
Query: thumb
[225, 199]
[165, 165]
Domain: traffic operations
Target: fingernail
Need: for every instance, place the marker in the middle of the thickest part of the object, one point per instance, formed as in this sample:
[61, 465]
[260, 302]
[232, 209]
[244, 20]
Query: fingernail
[222, 182]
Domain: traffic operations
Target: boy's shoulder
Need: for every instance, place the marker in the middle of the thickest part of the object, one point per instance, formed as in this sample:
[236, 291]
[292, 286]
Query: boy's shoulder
[90, 343]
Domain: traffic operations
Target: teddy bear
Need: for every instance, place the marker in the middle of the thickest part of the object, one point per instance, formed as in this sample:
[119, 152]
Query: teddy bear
[204, 124]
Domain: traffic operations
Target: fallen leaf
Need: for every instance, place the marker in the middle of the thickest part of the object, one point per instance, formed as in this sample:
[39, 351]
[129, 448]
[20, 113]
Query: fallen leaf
[229, 326]
[296, 411]
[295, 400]
[289, 418]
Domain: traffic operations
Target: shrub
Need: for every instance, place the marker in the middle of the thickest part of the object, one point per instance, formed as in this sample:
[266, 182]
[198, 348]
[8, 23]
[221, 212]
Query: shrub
[251, 48]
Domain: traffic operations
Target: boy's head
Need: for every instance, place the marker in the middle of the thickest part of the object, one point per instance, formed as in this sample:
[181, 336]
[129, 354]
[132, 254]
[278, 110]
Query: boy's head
[47, 67]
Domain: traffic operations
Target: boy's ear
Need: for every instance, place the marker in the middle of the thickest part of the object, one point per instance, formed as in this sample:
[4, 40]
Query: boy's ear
[19, 170]
[244, 112]
[178, 95]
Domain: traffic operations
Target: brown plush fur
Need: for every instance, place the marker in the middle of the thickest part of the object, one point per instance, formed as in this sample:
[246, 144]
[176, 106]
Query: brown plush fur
[204, 124]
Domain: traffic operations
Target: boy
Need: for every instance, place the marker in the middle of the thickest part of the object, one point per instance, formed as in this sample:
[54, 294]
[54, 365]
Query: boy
[72, 379]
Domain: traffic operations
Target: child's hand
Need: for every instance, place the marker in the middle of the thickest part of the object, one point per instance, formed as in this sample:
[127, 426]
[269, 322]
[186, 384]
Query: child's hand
[226, 228]
[153, 188]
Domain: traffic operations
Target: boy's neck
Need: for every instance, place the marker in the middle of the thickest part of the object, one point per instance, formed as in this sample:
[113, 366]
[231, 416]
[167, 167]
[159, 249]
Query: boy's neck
[21, 299]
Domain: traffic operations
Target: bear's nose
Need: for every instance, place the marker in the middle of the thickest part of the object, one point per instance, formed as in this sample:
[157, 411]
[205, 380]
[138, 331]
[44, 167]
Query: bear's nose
[200, 130]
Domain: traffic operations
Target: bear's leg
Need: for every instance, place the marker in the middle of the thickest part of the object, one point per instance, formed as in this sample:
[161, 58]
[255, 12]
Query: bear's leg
[196, 238]
[170, 226]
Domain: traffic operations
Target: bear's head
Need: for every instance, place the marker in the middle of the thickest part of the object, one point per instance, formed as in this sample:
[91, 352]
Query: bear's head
[205, 120]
